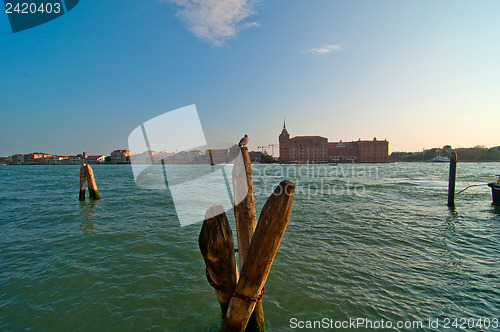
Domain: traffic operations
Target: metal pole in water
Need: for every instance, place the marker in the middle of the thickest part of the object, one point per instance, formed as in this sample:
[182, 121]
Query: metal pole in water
[451, 179]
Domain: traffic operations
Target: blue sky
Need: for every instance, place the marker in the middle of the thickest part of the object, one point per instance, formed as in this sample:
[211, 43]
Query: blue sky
[419, 73]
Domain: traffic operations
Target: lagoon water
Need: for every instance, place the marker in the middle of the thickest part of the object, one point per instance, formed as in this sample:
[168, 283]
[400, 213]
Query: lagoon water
[363, 241]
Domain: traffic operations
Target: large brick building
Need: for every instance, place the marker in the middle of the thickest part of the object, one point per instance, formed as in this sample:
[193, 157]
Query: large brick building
[318, 149]
[359, 151]
[302, 148]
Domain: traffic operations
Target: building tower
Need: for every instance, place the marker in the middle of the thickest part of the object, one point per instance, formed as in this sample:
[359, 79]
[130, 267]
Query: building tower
[284, 140]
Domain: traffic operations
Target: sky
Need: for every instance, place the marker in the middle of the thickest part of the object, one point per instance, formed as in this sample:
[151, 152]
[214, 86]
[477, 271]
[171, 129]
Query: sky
[420, 74]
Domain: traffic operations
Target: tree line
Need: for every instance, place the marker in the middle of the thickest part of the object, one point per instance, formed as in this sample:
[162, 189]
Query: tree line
[477, 153]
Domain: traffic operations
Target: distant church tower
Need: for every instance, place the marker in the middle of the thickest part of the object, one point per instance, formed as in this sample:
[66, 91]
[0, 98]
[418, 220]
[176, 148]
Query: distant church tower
[284, 140]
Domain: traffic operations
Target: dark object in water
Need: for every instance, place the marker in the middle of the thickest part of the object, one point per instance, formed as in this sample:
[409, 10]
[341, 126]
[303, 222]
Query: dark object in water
[452, 179]
[495, 192]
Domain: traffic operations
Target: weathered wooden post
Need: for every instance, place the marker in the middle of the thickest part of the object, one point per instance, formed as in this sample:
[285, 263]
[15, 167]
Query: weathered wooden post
[81, 197]
[217, 248]
[451, 179]
[246, 220]
[263, 247]
[93, 192]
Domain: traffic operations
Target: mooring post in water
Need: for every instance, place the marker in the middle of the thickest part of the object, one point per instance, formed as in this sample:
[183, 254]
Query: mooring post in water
[495, 191]
[263, 247]
[217, 248]
[93, 192]
[81, 197]
[451, 179]
[246, 220]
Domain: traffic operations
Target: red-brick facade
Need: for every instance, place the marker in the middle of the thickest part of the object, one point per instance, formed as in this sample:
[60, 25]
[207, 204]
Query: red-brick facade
[318, 149]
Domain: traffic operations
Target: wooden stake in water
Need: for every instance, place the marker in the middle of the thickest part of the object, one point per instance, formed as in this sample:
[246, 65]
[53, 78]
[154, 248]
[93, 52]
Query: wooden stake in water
[93, 192]
[81, 197]
[452, 179]
[246, 220]
[217, 248]
[265, 242]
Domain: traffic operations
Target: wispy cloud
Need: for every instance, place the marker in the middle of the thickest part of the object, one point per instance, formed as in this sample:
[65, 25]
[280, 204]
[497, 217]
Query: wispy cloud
[215, 21]
[324, 49]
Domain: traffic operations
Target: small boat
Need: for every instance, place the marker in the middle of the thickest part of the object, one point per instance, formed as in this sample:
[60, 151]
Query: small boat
[440, 159]
[495, 191]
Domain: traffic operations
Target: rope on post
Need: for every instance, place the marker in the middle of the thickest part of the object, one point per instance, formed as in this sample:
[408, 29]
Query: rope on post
[251, 299]
[472, 185]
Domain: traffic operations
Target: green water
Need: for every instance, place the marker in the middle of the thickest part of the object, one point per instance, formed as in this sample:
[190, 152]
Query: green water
[363, 241]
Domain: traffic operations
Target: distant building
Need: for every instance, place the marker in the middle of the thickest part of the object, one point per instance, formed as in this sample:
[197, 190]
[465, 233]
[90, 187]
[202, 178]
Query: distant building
[18, 159]
[342, 151]
[146, 157]
[218, 156]
[167, 157]
[318, 149]
[194, 156]
[302, 148]
[373, 151]
[61, 160]
[37, 158]
[284, 140]
[95, 159]
[359, 151]
[120, 157]
[55, 160]
[5, 160]
[255, 156]
[74, 160]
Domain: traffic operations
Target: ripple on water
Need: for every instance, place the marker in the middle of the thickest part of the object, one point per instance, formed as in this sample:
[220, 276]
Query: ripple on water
[392, 250]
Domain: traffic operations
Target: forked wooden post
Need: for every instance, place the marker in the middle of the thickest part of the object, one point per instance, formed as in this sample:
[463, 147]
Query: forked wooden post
[217, 248]
[93, 192]
[265, 242]
[81, 197]
[451, 179]
[246, 220]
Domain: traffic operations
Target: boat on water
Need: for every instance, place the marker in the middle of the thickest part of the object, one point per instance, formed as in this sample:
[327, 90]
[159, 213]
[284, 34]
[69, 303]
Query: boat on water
[440, 159]
[495, 191]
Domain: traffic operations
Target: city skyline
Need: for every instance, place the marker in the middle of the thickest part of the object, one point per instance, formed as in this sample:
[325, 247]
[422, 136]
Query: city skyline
[271, 149]
[420, 75]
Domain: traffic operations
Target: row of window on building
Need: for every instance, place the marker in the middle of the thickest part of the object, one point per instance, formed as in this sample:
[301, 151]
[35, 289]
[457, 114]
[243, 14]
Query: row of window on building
[318, 149]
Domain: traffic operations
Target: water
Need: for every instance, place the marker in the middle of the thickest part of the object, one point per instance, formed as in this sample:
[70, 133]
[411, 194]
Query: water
[363, 241]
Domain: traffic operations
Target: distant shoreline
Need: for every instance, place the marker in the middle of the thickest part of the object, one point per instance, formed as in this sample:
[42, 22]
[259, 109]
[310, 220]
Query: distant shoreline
[277, 163]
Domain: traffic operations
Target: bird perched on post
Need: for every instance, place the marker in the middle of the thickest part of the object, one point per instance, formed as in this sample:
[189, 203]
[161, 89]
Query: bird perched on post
[243, 141]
